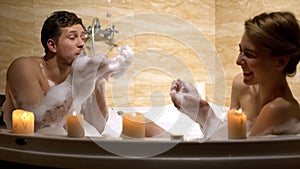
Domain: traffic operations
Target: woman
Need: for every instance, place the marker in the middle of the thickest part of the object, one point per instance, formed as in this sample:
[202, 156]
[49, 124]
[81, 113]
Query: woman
[269, 51]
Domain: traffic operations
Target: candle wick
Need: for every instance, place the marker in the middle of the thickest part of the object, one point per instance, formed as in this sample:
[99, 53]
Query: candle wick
[134, 114]
[24, 120]
[120, 112]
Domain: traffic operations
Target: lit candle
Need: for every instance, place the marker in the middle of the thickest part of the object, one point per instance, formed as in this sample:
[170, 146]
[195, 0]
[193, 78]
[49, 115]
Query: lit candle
[23, 122]
[75, 125]
[236, 124]
[133, 125]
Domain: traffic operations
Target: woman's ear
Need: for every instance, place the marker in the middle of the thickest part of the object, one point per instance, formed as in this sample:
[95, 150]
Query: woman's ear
[282, 62]
[51, 45]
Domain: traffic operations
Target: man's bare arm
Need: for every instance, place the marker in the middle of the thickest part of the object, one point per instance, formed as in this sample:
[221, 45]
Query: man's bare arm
[24, 84]
[54, 106]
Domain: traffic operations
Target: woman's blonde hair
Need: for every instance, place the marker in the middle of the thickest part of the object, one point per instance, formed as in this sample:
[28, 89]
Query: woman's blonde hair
[280, 33]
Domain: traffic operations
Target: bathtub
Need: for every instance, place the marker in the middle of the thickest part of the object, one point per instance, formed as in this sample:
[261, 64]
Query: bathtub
[112, 151]
[62, 152]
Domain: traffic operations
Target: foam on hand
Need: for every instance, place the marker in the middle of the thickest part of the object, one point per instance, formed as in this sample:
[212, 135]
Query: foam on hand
[121, 62]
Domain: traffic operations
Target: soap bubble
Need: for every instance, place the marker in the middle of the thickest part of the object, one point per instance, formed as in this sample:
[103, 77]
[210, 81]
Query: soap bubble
[153, 60]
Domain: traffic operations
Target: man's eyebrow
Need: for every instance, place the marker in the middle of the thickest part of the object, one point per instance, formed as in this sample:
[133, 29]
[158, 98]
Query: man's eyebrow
[73, 31]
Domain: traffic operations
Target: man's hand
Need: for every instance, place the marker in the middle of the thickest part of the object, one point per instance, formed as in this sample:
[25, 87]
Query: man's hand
[116, 66]
[87, 70]
[121, 62]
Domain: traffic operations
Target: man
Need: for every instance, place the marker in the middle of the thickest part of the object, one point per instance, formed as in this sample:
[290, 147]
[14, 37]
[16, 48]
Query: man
[65, 79]
[44, 84]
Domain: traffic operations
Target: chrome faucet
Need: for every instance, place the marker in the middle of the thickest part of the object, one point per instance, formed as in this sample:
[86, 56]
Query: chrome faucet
[97, 34]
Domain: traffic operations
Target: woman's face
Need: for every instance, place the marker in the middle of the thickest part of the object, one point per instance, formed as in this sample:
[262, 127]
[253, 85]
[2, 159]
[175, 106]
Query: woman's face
[257, 63]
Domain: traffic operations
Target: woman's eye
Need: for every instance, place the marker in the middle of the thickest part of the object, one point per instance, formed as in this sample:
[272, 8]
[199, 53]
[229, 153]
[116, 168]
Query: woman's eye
[248, 55]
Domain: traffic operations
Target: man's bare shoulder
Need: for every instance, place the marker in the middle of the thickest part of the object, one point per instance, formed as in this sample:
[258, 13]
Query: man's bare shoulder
[22, 63]
[23, 66]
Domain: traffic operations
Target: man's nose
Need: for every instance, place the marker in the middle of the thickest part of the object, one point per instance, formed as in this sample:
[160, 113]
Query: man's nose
[81, 43]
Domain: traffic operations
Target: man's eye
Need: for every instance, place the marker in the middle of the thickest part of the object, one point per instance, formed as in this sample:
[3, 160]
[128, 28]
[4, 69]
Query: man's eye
[73, 36]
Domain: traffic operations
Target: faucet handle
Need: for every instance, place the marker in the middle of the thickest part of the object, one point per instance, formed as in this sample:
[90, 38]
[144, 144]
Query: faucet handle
[87, 32]
[109, 32]
[114, 30]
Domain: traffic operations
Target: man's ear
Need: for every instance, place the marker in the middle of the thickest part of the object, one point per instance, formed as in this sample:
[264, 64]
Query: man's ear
[282, 62]
[51, 45]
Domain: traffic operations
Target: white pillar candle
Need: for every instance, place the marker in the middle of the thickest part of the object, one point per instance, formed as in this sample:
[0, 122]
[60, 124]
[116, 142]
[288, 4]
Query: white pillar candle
[133, 125]
[236, 124]
[23, 122]
[75, 125]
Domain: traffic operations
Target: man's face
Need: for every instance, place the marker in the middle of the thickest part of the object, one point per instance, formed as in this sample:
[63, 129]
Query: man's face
[70, 43]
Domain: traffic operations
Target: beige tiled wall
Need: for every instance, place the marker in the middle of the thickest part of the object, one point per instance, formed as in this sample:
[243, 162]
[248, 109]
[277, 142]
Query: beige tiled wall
[188, 39]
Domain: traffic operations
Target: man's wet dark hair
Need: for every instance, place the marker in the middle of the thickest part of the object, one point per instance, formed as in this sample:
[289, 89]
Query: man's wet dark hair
[53, 24]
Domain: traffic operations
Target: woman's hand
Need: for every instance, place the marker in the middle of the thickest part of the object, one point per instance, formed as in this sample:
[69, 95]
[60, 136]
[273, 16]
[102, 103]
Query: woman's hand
[187, 100]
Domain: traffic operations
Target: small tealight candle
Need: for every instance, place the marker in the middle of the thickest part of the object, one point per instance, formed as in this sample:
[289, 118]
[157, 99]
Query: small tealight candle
[133, 124]
[236, 124]
[23, 122]
[75, 125]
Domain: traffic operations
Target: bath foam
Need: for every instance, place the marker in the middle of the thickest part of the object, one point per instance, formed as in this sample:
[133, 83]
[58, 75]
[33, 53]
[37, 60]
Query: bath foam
[89, 72]
[78, 92]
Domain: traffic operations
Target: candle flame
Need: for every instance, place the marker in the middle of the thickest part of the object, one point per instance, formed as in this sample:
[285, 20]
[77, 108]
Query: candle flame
[239, 111]
[24, 121]
[134, 114]
[24, 114]
[74, 113]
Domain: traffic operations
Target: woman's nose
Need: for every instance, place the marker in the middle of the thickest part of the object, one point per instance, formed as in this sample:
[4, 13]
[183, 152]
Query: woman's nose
[239, 59]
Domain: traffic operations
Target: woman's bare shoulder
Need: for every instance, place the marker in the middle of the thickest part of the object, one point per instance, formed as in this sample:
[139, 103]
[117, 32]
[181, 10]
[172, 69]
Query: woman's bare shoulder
[238, 86]
[238, 81]
[281, 107]
[275, 118]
